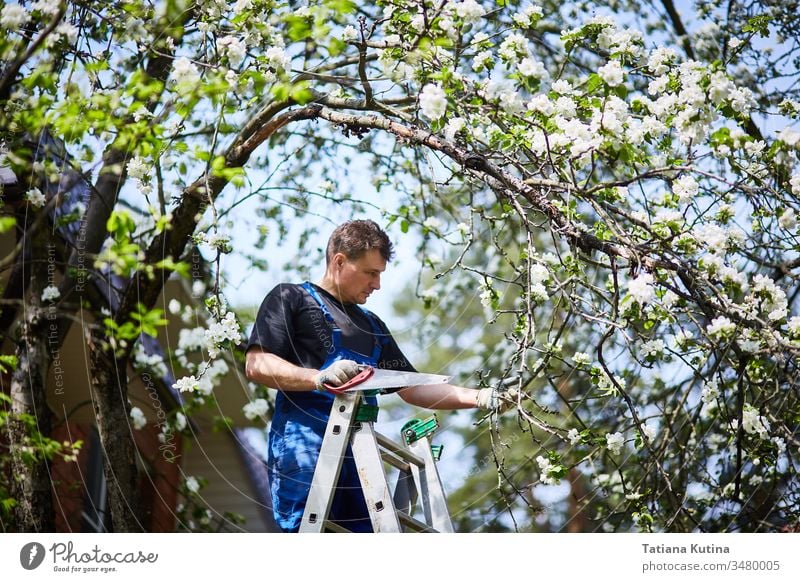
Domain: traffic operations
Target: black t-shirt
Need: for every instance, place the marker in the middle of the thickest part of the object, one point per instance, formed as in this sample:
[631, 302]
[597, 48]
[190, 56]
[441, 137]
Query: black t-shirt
[291, 325]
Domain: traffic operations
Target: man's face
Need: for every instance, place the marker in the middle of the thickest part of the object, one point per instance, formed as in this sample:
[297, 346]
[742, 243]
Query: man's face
[356, 280]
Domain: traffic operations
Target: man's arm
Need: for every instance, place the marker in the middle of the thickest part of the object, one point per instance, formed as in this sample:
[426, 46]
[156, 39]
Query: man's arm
[275, 372]
[441, 396]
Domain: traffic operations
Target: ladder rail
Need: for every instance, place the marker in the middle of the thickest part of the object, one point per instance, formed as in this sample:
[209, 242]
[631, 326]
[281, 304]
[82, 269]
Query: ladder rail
[382, 512]
[326, 474]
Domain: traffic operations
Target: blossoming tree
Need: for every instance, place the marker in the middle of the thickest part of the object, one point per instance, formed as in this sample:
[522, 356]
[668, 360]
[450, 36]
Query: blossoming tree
[623, 204]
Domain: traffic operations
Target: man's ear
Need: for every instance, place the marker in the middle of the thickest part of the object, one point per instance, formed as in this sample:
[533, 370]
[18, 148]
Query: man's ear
[339, 260]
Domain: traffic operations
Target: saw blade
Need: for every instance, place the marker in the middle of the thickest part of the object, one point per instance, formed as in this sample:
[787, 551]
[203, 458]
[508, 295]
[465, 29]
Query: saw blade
[385, 379]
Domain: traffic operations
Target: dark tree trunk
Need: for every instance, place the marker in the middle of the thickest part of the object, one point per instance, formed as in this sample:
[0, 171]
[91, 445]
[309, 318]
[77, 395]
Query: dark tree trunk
[31, 486]
[109, 384]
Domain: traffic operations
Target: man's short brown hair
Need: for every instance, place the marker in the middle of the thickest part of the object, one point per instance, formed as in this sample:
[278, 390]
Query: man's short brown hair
[356, 237]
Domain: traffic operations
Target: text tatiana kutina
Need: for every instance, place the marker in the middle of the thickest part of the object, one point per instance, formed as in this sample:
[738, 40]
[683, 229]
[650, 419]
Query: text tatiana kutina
[65, 553]
[691, 549]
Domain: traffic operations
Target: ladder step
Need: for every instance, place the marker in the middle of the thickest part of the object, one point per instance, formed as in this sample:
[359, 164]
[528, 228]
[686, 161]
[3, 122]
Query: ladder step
[395, 461]
[399, 450]
[335, 527]
[405, 519]
[414, 524]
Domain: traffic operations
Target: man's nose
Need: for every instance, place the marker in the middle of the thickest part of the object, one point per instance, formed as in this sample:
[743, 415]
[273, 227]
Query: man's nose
[376, 283]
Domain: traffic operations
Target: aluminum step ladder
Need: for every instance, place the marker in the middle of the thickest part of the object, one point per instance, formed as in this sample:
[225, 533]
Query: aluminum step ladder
[351, 422]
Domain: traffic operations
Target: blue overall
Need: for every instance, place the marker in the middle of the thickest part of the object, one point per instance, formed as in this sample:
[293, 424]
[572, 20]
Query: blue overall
[295, 439]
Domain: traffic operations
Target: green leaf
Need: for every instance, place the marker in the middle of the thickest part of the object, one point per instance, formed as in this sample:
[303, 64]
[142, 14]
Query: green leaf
[120, 224]
[7, 223]
[336, 47]
[342, 7]
[299, 27]
[8, 363]
[593, 83]
[301, 93]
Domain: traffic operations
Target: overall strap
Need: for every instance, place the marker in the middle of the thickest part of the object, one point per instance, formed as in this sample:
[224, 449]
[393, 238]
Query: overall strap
[325, 311]
[380, 338]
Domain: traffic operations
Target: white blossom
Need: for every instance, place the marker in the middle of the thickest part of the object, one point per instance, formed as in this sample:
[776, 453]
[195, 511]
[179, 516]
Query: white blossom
[198, 288]
[581, 358]
[533, 68]
[712, 236]
[277, 58]
[538, 293]
[753, 423]
[241, 6]
[794, 184]
[232, 48]
[481, 61]
[49, 7]
[180, 421]
[513, 47]
[546, 470]
[433, 101]
[574, 436]
[138, 169]
[685, 188]
[219, 241]
[192, 485]
[138, 419]
[788, 219]
[772, 298]
[144, 361]
[226, 329]
[789, 136]
[710, 392]
[66, 31]
[186, 384]
[539, 273]
[35, 198]
[185, 72]
[14, 16]
[432, 223]
[453, 126]
[528, 17]
[469, 11]
[614, 442]
[562, 87]
[50, 293]
[649, 431]
[567, 108]
[653, 348]
[488, 294]
[191, 339]
[721, 327]
[255, 409]
[641, 289]
[612, 73]
[793, 325]
[542, 104]
[349, 33]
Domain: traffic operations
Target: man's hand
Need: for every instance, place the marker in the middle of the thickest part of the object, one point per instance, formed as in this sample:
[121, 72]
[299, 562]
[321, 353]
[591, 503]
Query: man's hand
[492, 400]
[336, 374]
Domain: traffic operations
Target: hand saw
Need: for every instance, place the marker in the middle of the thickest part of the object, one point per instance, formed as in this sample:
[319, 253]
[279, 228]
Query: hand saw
[386, 381]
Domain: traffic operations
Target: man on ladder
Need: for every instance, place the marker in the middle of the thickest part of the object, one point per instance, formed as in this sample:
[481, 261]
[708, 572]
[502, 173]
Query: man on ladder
[310, 335]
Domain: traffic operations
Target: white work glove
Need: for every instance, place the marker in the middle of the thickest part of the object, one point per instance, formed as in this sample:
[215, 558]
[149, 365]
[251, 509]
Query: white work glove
[492, 400]
[336, 374]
